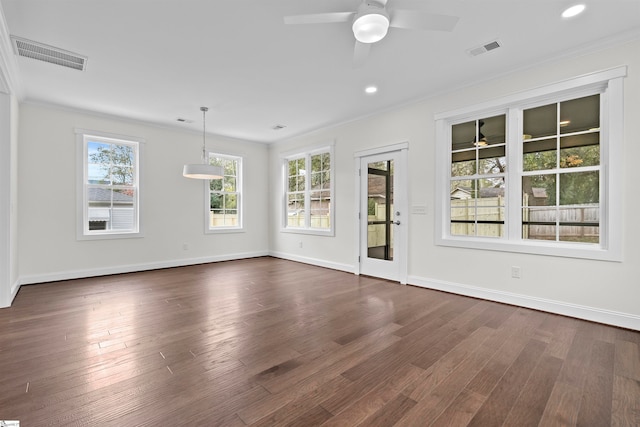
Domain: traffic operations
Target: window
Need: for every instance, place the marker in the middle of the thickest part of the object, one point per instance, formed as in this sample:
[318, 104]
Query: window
[536, 172]
[478, 166]
[561, 171]
[109, 192]
[309, 191]
[223, 196]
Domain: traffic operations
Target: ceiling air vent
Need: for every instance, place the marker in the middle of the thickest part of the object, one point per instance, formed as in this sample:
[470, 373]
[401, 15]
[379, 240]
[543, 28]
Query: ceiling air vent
[484, 48]
[50, 54]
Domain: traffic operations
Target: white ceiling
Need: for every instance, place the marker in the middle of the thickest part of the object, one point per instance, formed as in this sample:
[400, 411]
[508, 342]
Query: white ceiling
[159, 60]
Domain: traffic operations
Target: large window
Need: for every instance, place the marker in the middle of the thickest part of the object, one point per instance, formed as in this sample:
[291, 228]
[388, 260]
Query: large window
[224, 195]
[535, 173]
[308, 181]
[109, 191]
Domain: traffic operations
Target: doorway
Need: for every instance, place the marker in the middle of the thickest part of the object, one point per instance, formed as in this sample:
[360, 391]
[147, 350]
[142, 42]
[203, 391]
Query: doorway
[382, 216]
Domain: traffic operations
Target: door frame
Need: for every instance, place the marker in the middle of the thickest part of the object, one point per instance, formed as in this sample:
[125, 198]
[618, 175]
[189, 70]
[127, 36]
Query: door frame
[401, 203]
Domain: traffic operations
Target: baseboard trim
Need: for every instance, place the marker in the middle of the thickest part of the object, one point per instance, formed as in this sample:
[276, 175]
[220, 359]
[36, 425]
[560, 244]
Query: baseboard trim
[615, 318]
[313, 261]
[13, 291]
[131, 268]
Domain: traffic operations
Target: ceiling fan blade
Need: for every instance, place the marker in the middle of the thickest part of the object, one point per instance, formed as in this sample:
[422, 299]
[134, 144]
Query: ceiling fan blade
[418, 20]
[360, 54]
[319, 18]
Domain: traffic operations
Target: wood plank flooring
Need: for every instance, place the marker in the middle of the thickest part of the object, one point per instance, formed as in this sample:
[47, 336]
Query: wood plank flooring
[269, 342]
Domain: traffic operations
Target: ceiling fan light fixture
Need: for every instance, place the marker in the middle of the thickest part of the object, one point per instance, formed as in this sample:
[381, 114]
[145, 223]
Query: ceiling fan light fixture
[371, 25]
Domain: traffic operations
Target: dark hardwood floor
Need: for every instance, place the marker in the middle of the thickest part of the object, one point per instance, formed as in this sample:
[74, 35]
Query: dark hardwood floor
[267, 342]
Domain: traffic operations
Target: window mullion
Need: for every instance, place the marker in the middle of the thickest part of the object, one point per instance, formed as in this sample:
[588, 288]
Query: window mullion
[557, 172]
[475, 182]
[307, 191]
[514, 170]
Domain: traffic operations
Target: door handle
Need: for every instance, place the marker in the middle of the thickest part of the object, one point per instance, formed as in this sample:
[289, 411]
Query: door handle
[395, 222]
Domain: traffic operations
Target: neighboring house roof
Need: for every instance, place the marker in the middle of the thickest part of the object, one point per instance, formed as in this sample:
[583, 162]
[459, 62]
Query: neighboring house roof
[539, 192]
[104, 195]
[460, 193]
[377, 186]
[101, 208]
[491, 192]
[465, 192]
[377, 196]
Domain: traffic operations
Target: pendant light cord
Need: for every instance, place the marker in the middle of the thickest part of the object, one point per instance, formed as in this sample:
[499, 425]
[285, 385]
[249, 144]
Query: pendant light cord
[204, 130]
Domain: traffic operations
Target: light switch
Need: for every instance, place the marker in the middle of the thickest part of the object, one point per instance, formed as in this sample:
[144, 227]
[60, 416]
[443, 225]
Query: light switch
[419, 210]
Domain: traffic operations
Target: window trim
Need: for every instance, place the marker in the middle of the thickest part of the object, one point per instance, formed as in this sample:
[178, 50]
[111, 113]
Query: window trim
[82, 228]
[307, 153]
[609, 84]
[207, 204]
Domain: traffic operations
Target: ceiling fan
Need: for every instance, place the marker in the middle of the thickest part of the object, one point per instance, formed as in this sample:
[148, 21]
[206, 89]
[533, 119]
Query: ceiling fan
[372, 20]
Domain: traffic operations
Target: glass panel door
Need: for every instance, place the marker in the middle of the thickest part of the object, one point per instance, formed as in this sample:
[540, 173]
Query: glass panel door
[382, 222]
[380, 210]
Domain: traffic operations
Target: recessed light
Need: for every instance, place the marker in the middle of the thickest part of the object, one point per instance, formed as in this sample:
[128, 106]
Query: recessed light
[573, 11]
[370, 89]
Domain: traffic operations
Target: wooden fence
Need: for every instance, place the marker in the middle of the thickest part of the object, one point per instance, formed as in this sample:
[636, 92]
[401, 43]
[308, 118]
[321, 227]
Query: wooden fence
[489, 210]
[485, 217]
[376, 233]
[317, 221]
[223, 220]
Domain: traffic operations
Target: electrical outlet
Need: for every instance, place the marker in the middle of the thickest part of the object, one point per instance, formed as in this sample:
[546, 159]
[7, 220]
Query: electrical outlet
[516, 272]
[300, 244]
[185, 246]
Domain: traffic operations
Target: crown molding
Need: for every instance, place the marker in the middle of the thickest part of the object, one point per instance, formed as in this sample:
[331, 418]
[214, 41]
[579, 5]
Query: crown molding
[9, 76]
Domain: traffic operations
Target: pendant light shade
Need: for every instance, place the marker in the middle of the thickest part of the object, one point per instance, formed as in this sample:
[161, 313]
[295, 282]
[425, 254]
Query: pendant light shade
[203, 170]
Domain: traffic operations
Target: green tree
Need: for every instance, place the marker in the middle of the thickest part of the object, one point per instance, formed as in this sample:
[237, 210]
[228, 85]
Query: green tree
[117, 162]
[320, 167]
[216, 201]
[575, 187]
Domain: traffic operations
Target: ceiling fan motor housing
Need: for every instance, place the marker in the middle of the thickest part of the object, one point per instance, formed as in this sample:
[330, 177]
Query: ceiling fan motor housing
[371, 22]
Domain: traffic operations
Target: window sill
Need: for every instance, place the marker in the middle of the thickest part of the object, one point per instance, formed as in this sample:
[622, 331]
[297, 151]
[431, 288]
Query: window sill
[561, 249]
[109, 236]
[224, 230]
[292, 230]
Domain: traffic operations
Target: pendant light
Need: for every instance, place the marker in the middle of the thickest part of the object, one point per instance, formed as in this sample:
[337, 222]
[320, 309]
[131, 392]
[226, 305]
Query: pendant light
[202, 170]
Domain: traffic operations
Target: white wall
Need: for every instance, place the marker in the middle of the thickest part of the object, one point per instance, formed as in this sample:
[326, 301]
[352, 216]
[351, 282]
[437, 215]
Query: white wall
[602, 291]
[8, 198]
[13, 201]
[5, 198]
[172, 206]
